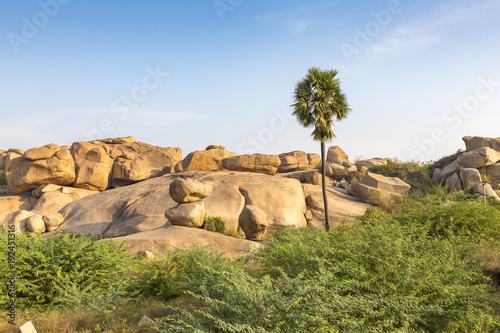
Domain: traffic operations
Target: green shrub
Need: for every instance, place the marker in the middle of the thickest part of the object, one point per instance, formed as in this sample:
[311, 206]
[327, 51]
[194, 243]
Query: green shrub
[215, 224]
[378, 277]
[469, 220]
[67, 271]
[3, 181]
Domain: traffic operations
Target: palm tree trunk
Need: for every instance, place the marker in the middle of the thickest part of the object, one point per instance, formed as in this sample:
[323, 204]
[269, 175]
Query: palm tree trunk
[323, 185]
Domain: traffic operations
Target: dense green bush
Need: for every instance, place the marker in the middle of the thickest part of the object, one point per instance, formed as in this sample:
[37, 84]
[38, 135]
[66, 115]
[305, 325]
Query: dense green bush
[215, 224]
[66, 270]
[379, 277]
[3, 181]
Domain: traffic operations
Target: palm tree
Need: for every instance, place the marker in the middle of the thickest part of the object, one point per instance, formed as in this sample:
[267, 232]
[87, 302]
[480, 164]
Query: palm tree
[318, 101]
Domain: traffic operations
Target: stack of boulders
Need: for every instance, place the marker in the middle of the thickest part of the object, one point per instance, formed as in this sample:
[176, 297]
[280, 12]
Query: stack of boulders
[23, 221]
[378, 189]
[474, 169]
[189, 194]
[94, 165]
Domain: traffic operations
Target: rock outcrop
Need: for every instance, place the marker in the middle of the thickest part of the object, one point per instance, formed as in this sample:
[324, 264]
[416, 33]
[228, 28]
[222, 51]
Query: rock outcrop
[24, 175]
[336, 155]
[94, 165]
[293, 161]
[206, 160]
[476, 142]
[258, 163]
[379, 189]
[140, 207]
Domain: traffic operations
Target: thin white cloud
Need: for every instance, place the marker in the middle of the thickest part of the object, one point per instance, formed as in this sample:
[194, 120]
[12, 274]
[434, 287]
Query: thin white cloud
[427, 32]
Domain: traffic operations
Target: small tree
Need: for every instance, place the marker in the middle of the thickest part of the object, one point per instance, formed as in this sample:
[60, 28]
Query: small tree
[318, 101]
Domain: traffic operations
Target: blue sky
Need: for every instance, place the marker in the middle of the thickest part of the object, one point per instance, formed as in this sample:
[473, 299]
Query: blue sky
[419, 75]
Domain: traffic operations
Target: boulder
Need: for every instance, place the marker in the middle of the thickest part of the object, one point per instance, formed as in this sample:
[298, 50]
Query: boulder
[184, 190]
[215, 147]
[305, 177]
[23, 175]
[92, 166]
[470, 177]
[35, 224]
[476, 142]
[17, 220]
[173, 238]
[454, 183]
[390, 184]
[336, 171]
[207, 160]
[141, 206]
[13, 203]
[126, 139]
[485, 191]
[378, 189]
[140, 161]
[16, 151]
[189, 214]
[478, 158]
[40, 190]
[436, 174]
[53, 201]
[41, 153]
[258, 163]
[52, 221]
[341, 205]
[449, 169]
[370, 162]
[314, 160]
[254, 222]
[492, 172]
[293, 161]
[336, 155]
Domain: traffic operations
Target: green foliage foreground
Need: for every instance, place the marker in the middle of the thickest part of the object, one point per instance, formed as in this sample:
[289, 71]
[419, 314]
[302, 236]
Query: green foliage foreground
[413, 271]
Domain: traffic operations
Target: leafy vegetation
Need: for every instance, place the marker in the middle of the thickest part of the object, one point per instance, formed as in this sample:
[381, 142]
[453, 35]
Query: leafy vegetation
[215, 224]
[3, 181]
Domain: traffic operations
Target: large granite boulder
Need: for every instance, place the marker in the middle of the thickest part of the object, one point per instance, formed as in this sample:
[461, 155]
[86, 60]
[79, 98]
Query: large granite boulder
[254, 222]
[469, 178]
[140, 161]
[53, 199]
[378, 189]
[306, 176]
[41, 153]
[206, 160]
[371, 162]
[314, 160]
[476, 142]
[25, 175]
[184, 190]
[258, 163]
[293, 161]
[189, 214]
[336, 155]
[13, 203]
[92, 166]
[478, 158]
[140, 207]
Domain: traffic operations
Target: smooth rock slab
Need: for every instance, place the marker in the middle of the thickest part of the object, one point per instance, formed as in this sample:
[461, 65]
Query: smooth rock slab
[174, 238]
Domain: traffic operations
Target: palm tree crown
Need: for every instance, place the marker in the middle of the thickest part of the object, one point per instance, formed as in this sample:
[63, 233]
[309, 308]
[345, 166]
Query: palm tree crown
[318, 101]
